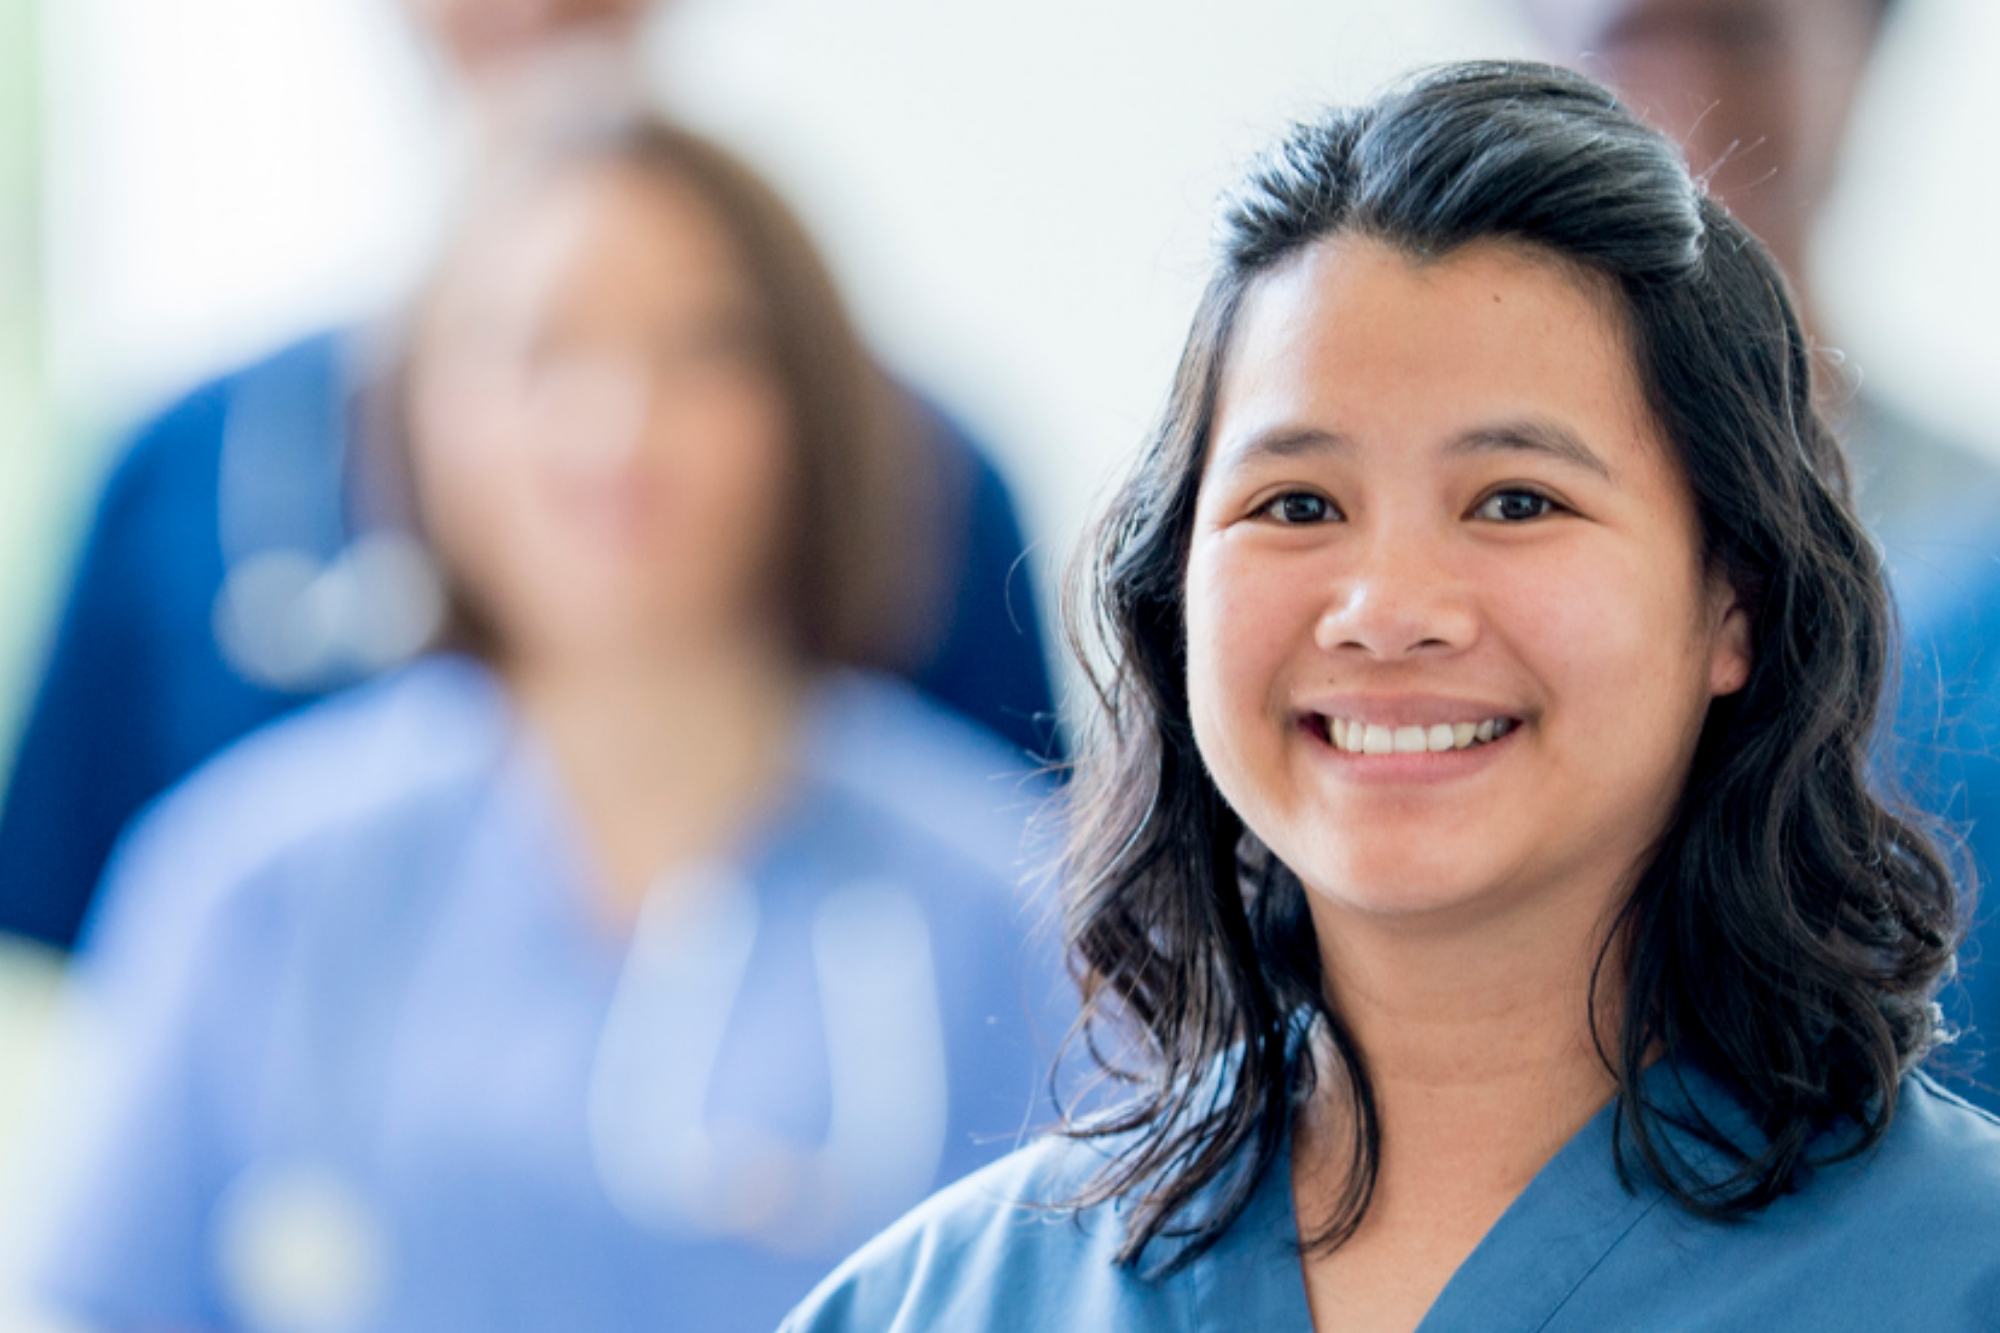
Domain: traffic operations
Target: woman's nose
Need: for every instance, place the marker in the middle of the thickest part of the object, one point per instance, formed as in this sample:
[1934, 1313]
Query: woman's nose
[1399, 600]
[595, 409]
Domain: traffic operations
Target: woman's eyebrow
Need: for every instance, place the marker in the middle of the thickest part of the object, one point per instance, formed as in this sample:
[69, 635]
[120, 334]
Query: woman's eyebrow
[1281, 442]
[1548, 438]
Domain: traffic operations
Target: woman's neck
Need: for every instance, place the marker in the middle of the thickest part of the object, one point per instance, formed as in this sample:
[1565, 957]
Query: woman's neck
[1497, 1010]
[1481, 1060]
[665, 756]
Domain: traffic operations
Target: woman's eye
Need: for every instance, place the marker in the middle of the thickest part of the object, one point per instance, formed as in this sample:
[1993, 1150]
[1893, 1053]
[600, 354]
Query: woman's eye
[1302, 507]
[1514, 507]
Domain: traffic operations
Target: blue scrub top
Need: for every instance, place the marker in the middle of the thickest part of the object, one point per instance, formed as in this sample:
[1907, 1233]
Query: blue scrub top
[1906, 1237]
[137, 691]
[381, 1068]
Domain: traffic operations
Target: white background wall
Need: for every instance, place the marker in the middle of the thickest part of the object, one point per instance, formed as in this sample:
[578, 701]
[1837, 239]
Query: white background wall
[1017, 194]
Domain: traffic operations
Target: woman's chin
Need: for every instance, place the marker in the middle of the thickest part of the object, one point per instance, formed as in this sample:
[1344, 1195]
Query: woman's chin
[1402, 902]
[1392, 885]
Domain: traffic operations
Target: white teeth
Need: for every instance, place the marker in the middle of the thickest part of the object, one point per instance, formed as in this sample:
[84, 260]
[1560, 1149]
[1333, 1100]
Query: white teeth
[1370, 738]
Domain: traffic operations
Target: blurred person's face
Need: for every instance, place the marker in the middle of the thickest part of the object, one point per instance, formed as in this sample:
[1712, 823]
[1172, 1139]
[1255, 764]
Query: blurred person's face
[1451, 636]
[1757, 90]
[602, 450]
[528, 68]
[477, 35]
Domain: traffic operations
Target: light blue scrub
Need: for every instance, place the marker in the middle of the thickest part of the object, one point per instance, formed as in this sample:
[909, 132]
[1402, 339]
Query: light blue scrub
[384, 1070]
[1907, 1237]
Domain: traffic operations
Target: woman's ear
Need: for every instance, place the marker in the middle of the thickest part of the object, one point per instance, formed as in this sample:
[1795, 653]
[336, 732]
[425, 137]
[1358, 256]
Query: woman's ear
[1729, 651]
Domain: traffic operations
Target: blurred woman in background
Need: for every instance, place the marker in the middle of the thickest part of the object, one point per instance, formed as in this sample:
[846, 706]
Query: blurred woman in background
[240, 564]
[616, 969]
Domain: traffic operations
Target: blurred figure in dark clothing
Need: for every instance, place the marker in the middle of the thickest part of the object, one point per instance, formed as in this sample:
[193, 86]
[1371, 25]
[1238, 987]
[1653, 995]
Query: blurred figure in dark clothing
[1760, 92]
[244, 561]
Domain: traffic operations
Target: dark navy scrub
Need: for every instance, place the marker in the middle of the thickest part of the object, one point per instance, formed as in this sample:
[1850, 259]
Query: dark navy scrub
[1905, 1237]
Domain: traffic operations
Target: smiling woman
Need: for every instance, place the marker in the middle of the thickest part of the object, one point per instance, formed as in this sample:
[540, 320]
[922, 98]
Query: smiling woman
[1478, 850]
[1489, 535]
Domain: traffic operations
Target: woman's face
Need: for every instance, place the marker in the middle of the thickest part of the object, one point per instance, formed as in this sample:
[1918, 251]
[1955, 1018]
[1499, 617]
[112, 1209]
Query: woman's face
[1451, 639]
[602, 449]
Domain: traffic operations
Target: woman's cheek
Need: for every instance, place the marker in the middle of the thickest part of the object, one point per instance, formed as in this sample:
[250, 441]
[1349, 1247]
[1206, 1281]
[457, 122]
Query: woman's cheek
[1246, 620]
[1573, 608]
[1595, 632]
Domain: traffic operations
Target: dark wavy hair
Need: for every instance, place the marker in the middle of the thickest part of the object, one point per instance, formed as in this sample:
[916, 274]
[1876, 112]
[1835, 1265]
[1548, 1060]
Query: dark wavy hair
[1788, 932]
[857, 570]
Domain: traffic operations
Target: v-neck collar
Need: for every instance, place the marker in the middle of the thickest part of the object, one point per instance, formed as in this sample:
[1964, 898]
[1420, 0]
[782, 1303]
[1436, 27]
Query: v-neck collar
[1557, 1231]
[1572, 1215]
[1253, 1278]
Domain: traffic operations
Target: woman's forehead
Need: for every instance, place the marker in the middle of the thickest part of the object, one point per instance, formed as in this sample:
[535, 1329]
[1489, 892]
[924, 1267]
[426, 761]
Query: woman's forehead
[645, 230]
[1353, 333]
[1352, 276]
